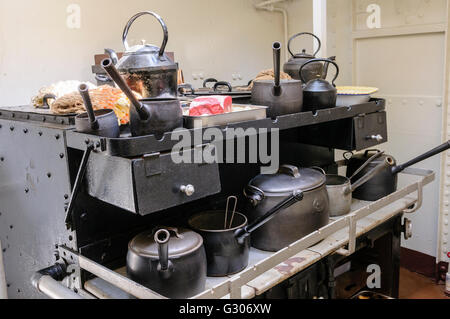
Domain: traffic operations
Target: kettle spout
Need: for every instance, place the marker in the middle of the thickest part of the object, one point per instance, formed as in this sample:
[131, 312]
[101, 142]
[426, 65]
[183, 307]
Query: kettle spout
[162, 238]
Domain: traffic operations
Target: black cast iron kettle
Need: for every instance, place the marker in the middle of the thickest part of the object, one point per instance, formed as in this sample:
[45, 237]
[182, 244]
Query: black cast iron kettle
[147, 116]
[283, 97]
[319, 94]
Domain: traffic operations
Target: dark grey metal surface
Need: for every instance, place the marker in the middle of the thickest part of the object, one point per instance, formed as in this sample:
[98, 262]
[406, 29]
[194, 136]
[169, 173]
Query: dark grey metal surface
[349, 134]
[136, 146]
[30, 113]
[34, 184]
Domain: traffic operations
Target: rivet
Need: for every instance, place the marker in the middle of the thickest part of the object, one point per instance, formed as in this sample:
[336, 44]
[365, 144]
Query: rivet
[97, 144]
[87, 141]
[27, 190]
[49, 175]
[40, 133]
[12, 128]
[61, 155]
[84, 216]
[66, 196]
[57, 136]
[2, 159]
[25, 130]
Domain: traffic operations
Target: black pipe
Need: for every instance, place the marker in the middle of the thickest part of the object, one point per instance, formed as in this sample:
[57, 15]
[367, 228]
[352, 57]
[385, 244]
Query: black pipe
[277, 67]
[109, 67]
[433, 152]
[57, 271]
[84, 92]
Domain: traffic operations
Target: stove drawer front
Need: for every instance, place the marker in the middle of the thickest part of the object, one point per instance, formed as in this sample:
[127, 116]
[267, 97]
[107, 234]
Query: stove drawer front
[352, 134]
[151, 183]
[370, 130]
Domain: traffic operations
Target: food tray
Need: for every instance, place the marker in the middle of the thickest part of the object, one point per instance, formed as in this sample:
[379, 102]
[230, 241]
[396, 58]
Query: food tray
[241, 113]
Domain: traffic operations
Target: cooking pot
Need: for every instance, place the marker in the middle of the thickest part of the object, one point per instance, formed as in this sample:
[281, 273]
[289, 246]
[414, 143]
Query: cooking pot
[146, 68]
[148, 116]
[227, 246]
[314, 70]
[169, 261]
[282, 97]
[319, 94]
[340, 188]
[385, 183]
[295, 222]
[101, 122]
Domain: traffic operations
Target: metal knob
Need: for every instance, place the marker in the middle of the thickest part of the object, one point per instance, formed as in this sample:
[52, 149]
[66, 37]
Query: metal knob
[189, 190]
[377, 138]
[407, 229]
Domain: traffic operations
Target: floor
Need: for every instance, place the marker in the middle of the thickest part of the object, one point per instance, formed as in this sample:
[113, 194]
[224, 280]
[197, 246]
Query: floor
[415, 286]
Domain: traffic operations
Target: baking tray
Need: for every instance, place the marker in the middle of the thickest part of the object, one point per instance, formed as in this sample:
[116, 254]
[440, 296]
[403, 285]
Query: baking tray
[248, 113]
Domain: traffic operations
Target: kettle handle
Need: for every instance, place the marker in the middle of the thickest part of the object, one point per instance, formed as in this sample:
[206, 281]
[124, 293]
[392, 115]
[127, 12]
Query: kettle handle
[223, 83]
[209, 80]
[131, 21]
[320, 60]
[300, 34]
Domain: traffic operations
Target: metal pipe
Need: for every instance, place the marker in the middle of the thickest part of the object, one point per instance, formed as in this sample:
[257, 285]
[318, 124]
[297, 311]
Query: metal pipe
[117, 280]
[267, 3]
[53, 289]
[269, 6]
[3, 290]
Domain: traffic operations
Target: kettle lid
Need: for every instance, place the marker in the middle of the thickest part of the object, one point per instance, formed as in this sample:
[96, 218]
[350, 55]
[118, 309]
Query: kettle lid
[145, 56]
[289, 179]
[182, 242]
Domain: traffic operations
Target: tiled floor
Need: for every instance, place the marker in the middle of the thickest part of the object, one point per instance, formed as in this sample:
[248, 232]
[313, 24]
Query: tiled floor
[415, 286]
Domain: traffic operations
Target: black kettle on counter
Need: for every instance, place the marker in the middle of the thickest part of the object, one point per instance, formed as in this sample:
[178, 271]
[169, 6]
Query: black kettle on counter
[318, 93]
[282, 97]
[170, 261]
[385, 183]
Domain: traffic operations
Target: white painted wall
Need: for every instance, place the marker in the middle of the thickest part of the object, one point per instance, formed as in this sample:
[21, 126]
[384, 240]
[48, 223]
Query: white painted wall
[215, 37]
[409, 72]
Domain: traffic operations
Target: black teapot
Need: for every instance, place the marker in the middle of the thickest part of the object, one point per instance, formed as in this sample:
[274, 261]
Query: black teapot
[319, 94]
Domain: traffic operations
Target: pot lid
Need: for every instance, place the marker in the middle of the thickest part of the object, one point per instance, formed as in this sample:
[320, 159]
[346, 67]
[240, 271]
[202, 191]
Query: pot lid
[304, 55]
[289, 179]
[301, 58]
[182, 242]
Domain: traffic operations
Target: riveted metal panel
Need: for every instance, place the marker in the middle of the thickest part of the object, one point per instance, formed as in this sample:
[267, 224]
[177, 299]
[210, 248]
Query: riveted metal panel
[34, 182]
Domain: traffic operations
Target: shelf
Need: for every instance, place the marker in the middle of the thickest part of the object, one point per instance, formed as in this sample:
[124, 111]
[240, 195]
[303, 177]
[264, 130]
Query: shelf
[137, 146]
[266, 270]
